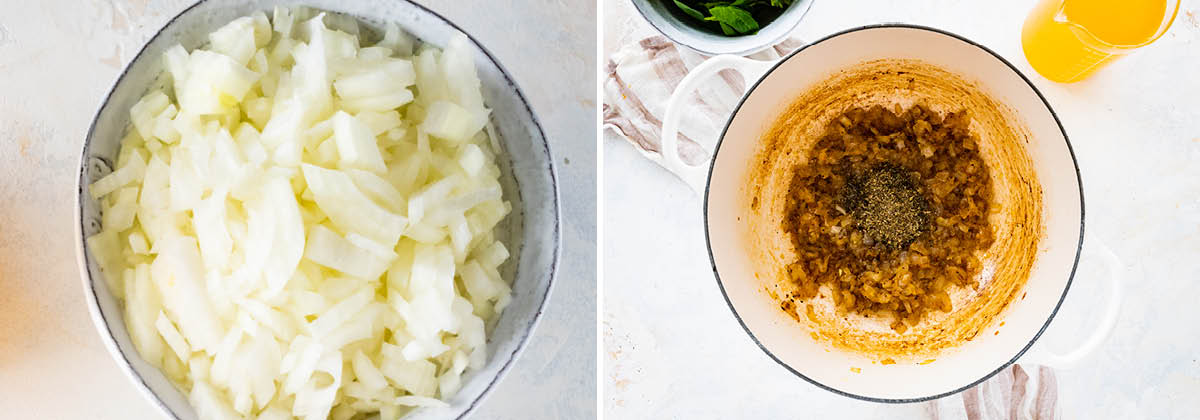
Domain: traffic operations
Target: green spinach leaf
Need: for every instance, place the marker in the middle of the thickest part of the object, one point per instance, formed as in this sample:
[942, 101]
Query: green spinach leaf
[734, 17]
[689, 10]
[740, 20]
[727, 30]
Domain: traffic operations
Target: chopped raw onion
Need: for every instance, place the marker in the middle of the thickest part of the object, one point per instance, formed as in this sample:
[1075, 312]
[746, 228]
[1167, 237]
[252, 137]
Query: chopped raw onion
[302, 227]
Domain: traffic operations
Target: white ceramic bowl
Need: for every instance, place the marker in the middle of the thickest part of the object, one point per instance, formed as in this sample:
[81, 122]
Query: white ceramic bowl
[528, 180]
[776, 84]
[673, 25]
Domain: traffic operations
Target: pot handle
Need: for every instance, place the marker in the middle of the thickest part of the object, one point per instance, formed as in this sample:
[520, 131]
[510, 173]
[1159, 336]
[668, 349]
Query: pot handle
[697, 176]
[1043, 356]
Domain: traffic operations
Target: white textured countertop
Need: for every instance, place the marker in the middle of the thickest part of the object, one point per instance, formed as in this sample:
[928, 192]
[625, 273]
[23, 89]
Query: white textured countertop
[59, 58]
[673, 349]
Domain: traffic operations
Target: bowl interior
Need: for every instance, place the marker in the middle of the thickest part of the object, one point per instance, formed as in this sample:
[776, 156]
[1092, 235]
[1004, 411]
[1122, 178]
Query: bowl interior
[662, 16]
[531, 231]
[788, 341]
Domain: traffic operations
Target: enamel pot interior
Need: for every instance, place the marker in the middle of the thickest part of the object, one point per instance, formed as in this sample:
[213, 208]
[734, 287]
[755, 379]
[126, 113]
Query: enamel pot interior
[531, 231]
[783, 338]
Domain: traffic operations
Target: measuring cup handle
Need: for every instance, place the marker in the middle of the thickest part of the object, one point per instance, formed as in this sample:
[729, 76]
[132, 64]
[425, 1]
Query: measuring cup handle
[1043, 356]
[697, 176]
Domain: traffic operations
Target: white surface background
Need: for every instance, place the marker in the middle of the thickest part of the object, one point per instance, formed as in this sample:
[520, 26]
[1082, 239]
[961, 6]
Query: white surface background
[57, 61]
[672, 349]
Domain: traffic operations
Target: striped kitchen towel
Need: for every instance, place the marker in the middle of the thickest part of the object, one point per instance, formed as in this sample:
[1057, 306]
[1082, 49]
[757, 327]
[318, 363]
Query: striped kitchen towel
[639, 80]
[1019, 392]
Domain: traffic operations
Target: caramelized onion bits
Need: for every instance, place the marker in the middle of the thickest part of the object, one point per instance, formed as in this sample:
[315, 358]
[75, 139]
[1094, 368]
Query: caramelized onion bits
[890, 211]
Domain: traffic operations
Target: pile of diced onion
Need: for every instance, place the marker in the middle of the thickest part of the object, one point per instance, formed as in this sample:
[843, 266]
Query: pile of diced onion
[299, 226]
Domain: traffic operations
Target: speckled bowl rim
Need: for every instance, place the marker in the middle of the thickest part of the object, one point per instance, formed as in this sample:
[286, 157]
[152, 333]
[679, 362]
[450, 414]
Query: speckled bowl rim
[1070, 277]
[92, 299]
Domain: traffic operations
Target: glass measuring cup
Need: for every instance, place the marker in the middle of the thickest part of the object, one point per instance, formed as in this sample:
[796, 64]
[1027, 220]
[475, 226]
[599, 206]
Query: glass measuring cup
[1068, 40]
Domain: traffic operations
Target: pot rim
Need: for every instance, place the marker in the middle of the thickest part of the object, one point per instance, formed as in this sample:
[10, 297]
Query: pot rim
[716, 155]
[102, 324]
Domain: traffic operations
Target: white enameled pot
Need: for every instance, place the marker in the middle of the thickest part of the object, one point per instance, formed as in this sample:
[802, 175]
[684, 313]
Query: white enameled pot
[776, 84]
[531, 231]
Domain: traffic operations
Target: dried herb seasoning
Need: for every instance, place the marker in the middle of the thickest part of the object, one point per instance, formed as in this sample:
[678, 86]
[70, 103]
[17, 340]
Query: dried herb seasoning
[889, 212]
[887, 206]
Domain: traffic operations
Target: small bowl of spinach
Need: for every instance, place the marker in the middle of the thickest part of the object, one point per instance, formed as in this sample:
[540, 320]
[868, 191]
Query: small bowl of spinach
[710, 27]
[733, 18]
